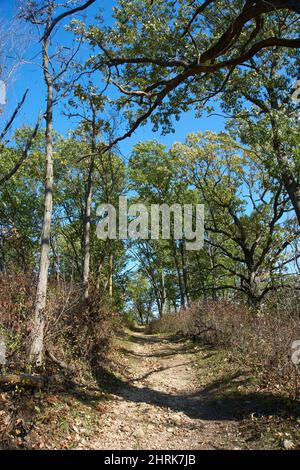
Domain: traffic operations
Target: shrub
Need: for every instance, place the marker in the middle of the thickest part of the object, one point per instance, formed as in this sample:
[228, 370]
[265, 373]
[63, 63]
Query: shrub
[74, 329]
[16, 303]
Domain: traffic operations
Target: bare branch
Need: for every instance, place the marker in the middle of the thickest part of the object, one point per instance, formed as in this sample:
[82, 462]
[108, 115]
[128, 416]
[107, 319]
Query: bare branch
[25, 153]
[64, 15]
[13, 117]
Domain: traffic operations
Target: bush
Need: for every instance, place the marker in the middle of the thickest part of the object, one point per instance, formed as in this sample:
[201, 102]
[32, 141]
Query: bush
[77, 336]
[128, 320]
[16, 304]
[73, 330]
[85, 330]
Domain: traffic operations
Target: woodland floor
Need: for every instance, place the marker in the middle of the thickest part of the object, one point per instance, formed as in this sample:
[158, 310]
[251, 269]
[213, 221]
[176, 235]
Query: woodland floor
[178, 395]
[158, 393]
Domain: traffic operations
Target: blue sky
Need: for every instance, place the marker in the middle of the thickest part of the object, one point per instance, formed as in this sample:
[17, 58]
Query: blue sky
[29, 76]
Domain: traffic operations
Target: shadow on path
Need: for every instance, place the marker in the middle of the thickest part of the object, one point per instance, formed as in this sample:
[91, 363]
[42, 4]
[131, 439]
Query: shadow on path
[161, 354]
[220, 400]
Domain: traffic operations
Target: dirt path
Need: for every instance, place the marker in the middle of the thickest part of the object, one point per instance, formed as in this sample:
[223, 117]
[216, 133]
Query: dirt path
[161, 405]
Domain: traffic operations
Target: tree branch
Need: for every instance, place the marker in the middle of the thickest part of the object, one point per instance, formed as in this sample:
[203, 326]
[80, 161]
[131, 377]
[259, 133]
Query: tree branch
[64, 15]
[24, 153]
[13, 117]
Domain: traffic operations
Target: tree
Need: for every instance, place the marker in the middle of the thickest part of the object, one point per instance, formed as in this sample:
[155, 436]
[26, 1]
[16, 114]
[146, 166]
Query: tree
[153, 262]
[157, 177]
[24, 155]
[141, 298]
[69, 232]
[88, 105]
[245, 214]
[20, 202]
[266, 117]
[192, 50]
[42, 15]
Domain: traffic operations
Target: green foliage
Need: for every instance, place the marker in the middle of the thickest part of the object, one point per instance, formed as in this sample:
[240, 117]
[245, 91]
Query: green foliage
[190, 55]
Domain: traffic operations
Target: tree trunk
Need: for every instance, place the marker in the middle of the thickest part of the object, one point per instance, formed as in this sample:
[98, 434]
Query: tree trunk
[2, 351]
[289, 179]
[99, 275]
[164, 294]
[37, 343]
[184, 271]
[2, 257]
[23, 380]
[253, 290]
[87, 214]
[180, 284]
[110, 276]
[87, 230]
[213, 274]
[293, 190]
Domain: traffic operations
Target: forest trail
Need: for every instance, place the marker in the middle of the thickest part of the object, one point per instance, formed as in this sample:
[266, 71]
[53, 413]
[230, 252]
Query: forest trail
[161, 405]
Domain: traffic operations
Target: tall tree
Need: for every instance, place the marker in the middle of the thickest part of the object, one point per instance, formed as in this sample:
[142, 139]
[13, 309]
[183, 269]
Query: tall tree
[88, 105]
[43, 15]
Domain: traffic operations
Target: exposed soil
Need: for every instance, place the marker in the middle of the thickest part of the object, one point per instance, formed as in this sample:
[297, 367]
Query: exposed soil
[161, 405]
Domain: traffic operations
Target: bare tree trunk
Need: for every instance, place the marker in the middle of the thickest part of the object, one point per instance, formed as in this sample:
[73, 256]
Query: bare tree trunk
[37, 343]
[180, 283]
[164, 293]
[184, 271]
[2, 351]
[110, 276]
[87, 230]
[212, 266]
[252, 290]
[87, 211]
[99, 275]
